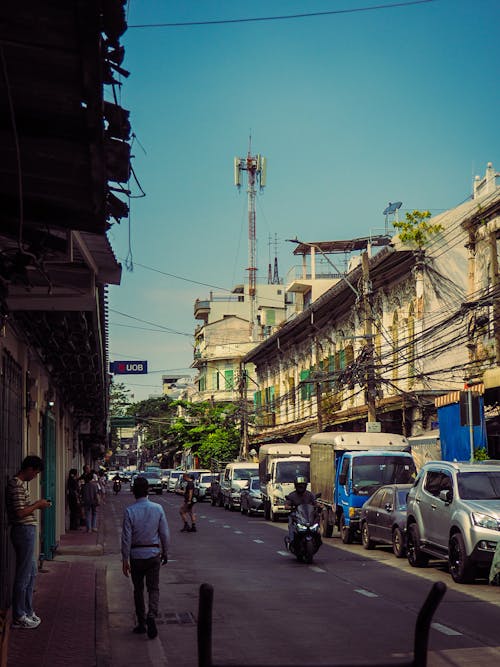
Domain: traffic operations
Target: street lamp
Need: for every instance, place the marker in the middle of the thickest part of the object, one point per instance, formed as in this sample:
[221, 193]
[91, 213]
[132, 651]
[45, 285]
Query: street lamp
[317, 247]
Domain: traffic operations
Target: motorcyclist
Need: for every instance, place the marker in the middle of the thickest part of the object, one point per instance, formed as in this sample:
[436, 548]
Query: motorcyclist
[301, 496]
[117, 483]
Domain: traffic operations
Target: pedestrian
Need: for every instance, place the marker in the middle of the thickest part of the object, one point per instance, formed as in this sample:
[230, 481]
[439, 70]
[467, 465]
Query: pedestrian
[494, 575]
[90, 501]
[144, 546]
[73, 499]
[187, 508]
[23, 535]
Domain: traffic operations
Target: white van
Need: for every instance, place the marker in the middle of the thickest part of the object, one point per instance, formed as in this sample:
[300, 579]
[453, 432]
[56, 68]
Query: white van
[235, 477]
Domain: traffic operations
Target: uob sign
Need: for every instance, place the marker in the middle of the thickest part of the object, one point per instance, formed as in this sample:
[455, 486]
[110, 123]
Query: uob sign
[129, 367]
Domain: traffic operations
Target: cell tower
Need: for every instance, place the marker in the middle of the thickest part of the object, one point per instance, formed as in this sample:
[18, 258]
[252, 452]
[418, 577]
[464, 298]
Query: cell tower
[255, 166]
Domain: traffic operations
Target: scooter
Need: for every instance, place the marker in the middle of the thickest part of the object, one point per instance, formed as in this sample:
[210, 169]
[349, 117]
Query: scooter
[117, 486]
[306, 536]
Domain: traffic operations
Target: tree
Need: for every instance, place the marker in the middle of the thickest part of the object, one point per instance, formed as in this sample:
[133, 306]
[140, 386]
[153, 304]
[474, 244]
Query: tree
[119, 399]
[416, 230]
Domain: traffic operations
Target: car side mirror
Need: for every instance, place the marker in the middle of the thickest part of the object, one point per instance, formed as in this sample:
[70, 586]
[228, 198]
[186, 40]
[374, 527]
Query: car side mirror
[446, 495]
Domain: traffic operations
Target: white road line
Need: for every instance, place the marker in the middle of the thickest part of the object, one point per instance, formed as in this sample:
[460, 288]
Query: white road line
[367, 594]
[212, 521]
[259, 541]
[445, 630]
[226, 526]
[282, 553]
[238, 532]
[315, 568]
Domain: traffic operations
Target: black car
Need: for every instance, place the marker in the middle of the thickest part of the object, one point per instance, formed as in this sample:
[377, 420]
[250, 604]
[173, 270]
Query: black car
[383, 518]
[251, 498]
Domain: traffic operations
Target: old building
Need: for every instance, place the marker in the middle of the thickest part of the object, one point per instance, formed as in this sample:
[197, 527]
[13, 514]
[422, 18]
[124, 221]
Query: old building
[379, 345]
[64, 151]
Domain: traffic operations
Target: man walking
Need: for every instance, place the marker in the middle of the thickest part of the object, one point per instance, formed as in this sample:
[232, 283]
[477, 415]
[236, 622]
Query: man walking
[23, 535]
[145, 540]
[188, 505]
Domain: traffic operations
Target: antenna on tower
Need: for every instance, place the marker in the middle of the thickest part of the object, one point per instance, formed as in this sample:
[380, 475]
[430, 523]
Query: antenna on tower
[269, 270]
[276, 277]
[255, 166]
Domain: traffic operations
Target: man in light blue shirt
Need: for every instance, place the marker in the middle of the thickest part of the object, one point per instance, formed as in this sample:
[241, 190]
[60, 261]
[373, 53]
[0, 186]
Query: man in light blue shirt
[145, 540]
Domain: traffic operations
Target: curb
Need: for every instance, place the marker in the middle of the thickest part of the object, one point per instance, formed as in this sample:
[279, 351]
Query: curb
[102, 640]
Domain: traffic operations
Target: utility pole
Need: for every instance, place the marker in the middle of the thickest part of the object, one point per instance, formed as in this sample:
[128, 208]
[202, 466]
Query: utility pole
[368, 332]
[255, 166]
[244, 417]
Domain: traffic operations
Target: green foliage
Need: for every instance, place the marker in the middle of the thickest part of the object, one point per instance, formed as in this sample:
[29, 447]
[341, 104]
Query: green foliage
[481, 454]
[119, 399]
[416, 230]
[222, 445]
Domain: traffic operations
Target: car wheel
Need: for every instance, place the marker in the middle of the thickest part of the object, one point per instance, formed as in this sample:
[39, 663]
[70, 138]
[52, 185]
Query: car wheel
[267, 510]
[242, 509]
[365, 536]
[275, 517]
[415, 556]
[461, 568]
[345, 531]
[326, 527]
[398, 543]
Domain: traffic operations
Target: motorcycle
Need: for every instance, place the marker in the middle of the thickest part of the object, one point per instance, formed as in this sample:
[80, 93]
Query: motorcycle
[306, 536]
[117, 486]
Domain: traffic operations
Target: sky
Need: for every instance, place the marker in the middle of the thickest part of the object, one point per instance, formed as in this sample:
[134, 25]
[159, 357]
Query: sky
[352, 109]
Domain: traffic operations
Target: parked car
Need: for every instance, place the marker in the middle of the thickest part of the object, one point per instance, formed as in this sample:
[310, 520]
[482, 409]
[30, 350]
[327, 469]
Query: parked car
[235, 477]
[172, 479]
[165, 474]
[251, 500]
[202, 485]
[214, 492]
[453, 513]
[383, 518]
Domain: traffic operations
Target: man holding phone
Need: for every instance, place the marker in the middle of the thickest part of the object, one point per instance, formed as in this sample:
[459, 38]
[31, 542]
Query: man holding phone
[23, 532]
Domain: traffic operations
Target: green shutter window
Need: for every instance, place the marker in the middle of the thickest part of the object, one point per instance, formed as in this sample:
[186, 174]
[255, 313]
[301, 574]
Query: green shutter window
[215, 380]
[304, 388]
[270, 317]
[257, 399]
[229, 380]
[341, 358]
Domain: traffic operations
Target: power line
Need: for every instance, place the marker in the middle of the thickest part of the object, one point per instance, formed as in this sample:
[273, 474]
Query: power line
[283, 17]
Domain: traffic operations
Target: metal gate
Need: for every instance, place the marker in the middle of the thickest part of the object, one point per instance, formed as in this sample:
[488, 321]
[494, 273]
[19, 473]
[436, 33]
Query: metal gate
[49, 486]
[11, 452]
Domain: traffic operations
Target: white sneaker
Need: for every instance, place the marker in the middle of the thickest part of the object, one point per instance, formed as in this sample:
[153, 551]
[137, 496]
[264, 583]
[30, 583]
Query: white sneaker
[26, 622]
[35, 618]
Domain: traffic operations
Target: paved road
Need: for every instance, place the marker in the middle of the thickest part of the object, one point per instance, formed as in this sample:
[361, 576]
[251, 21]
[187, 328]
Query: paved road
[350, 606]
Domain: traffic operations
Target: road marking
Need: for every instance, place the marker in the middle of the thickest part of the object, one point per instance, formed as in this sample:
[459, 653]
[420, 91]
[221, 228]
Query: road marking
[315, 568]
[226, 526]
[367, 594]
[259, 541]
[212, 521]
[238, 532]
[282, 553]
[445, 630]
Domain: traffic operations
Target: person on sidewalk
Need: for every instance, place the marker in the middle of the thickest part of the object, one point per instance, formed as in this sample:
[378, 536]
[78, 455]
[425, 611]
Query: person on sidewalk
[73, 499]
[187, 508]
[144, 546]
[23, 535]
[90, 501]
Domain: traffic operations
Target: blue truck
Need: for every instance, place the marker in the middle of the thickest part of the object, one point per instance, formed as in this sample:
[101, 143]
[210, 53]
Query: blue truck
[347, 468]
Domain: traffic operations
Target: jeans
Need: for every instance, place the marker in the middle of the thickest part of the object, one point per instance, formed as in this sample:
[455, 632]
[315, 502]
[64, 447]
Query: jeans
[23, 541]
[148, 568]
[91, 517]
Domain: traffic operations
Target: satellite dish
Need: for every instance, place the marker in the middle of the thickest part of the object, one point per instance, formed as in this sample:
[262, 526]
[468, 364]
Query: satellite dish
[393, 207]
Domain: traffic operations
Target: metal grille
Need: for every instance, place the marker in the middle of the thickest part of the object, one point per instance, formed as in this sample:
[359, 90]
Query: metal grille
[11, 448]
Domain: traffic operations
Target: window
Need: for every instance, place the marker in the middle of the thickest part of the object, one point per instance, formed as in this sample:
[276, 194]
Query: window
[229, 380]
[432, 482]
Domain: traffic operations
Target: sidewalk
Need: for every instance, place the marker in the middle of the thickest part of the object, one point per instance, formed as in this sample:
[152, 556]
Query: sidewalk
[70, 598]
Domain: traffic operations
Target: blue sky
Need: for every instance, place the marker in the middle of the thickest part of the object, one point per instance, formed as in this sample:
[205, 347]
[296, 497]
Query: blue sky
[351, 110]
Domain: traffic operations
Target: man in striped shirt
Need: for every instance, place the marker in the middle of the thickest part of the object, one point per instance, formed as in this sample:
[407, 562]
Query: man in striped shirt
[23, 534]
